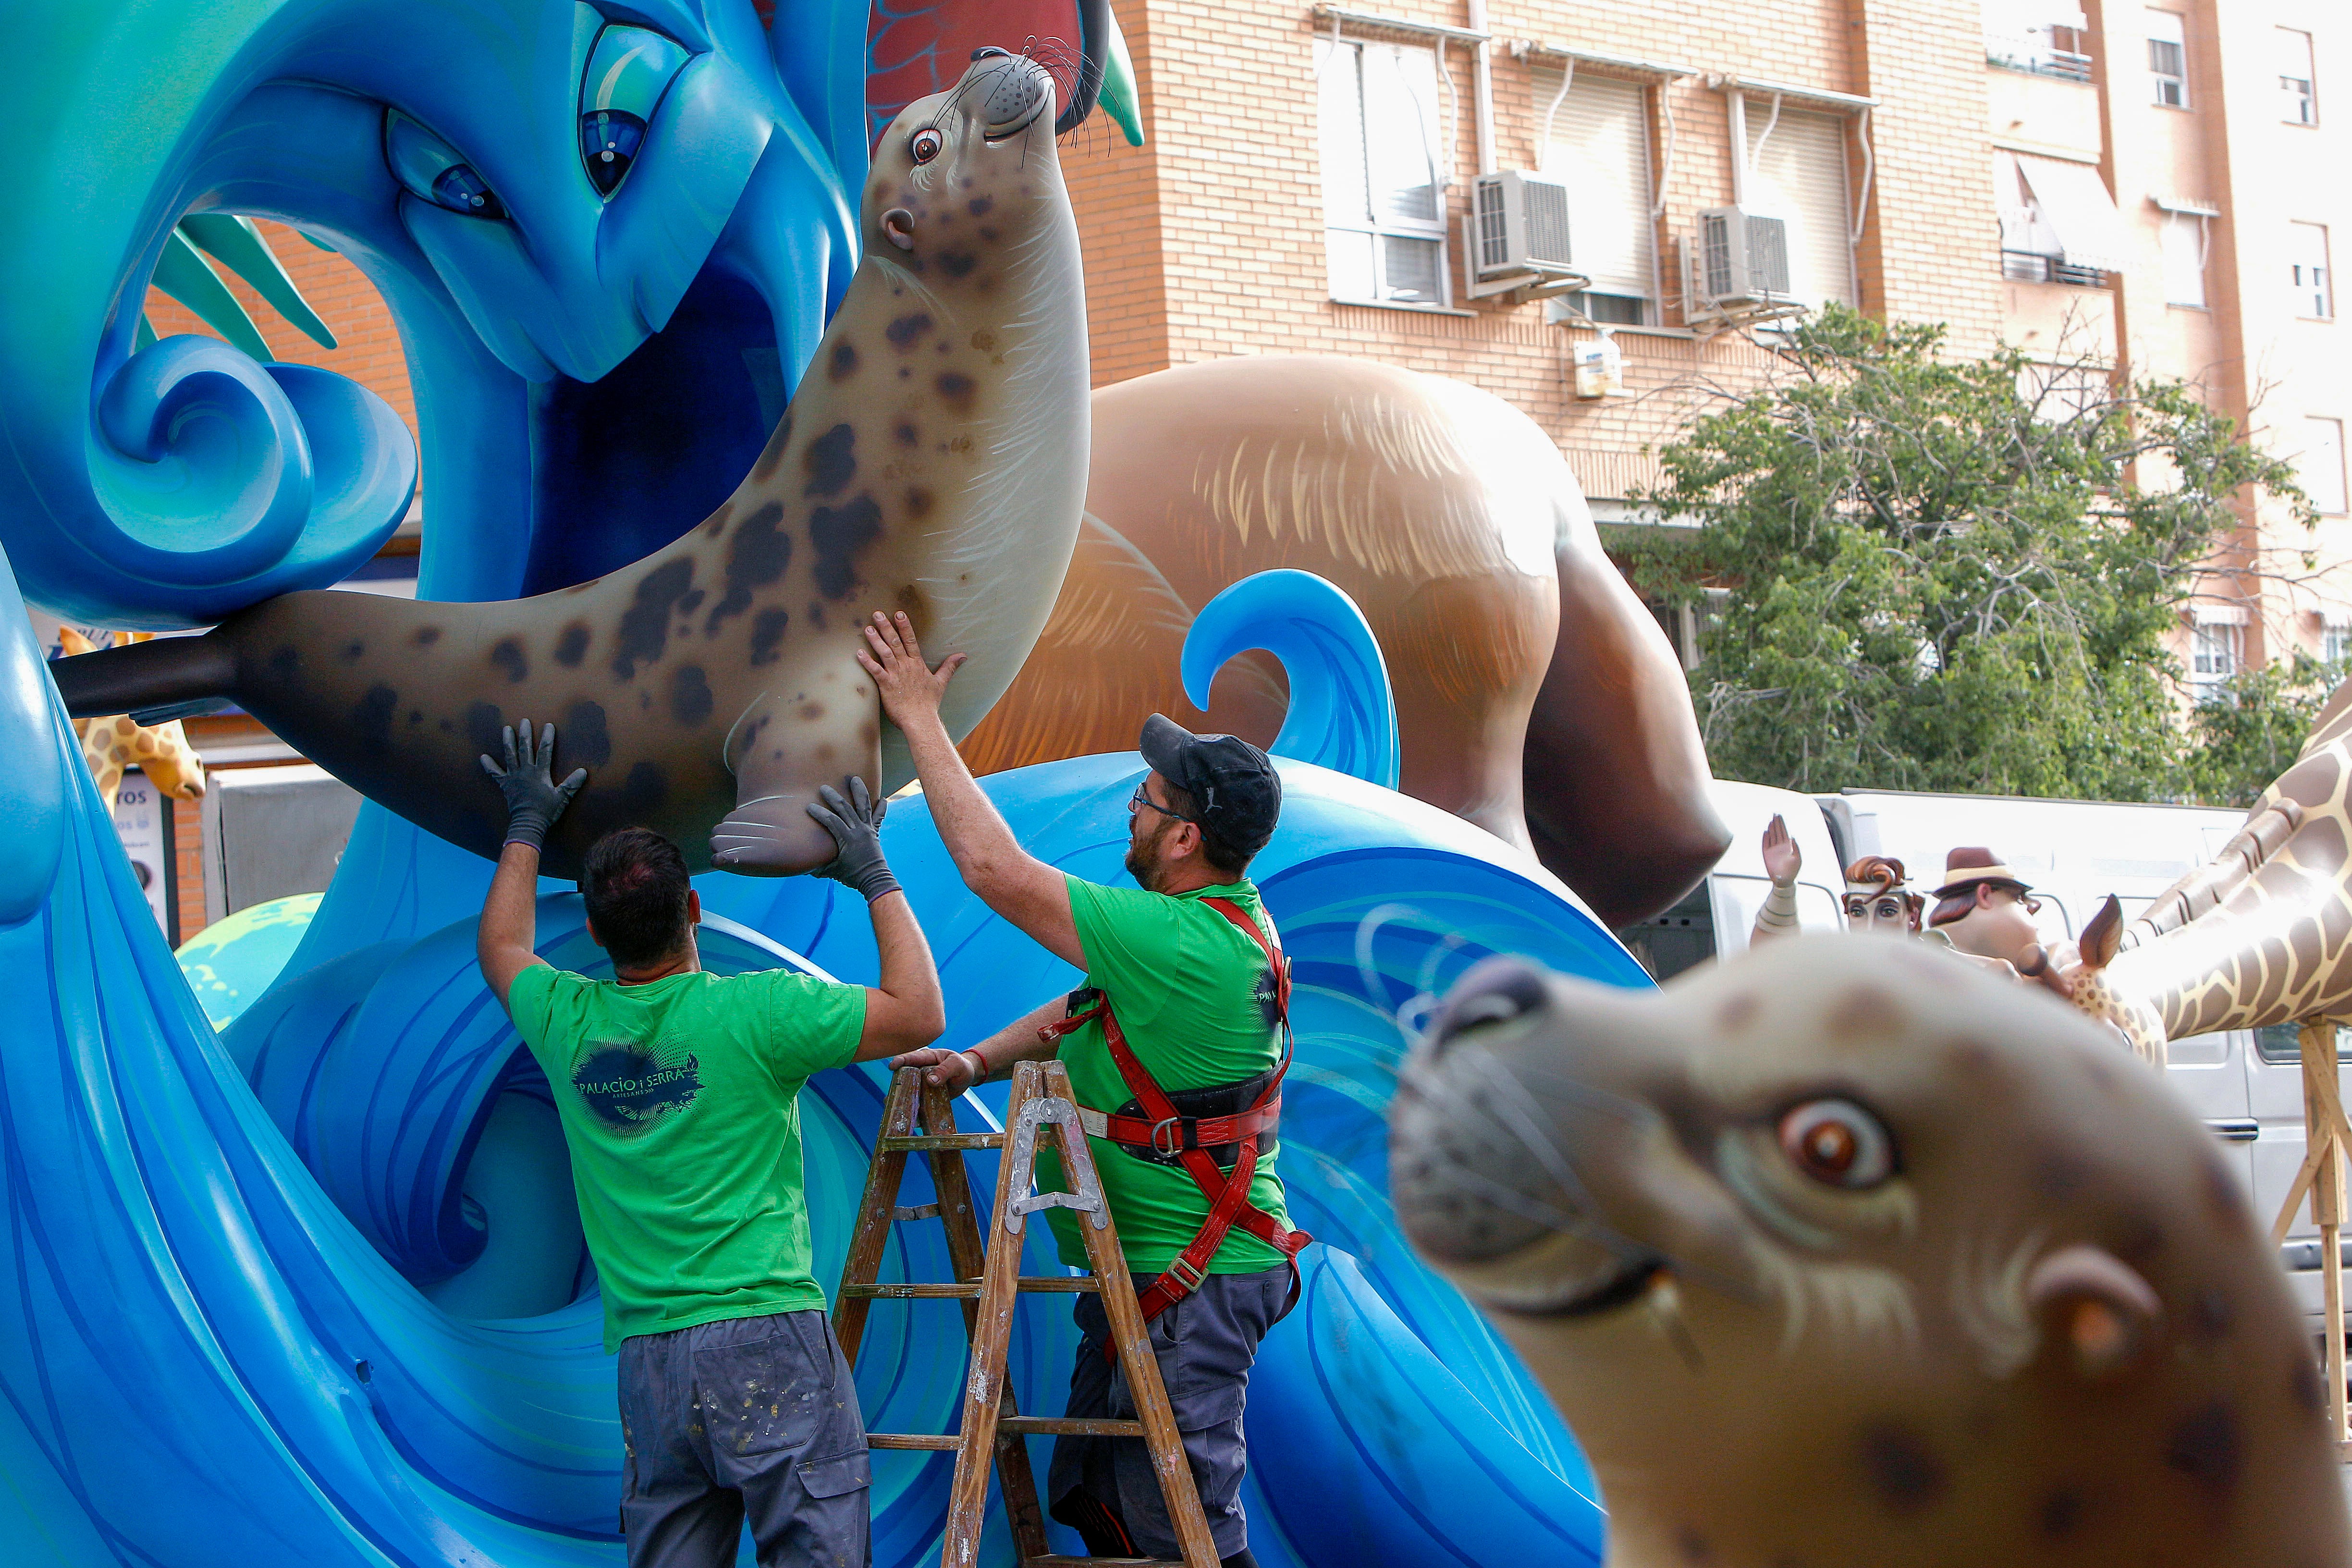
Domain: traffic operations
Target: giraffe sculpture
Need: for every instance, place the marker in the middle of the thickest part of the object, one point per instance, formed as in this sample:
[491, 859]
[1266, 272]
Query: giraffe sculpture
[115, 744]
[2261, 935]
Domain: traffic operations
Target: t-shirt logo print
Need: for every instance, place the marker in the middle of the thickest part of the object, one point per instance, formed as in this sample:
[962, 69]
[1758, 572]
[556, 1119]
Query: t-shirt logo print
[630, 1087]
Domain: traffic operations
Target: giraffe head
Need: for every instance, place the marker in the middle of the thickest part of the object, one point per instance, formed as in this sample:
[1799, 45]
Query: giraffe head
[2095, 990]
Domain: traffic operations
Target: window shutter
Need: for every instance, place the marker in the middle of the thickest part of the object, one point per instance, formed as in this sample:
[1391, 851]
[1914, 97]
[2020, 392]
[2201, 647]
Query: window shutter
[2184, 259]
[1339, 97]
[1799, 174]
[1601, 147]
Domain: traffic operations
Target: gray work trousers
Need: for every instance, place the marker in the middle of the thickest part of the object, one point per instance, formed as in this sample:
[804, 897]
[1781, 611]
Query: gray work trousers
[747, 1420]
[1205, 1345]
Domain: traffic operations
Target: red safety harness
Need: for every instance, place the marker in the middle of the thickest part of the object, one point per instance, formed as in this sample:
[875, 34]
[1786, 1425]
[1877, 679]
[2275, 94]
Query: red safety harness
[1168, 1134]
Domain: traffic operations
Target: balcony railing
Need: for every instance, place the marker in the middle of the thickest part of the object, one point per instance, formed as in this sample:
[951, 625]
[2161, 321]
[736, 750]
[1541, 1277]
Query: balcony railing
[2025, 266]
[2035, 53]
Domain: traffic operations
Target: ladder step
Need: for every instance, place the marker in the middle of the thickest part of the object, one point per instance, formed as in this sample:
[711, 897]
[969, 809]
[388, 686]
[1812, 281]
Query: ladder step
[915, 1211]
[1020, 1425]
[1055, 1561]
[941, 1290]
[920, 1141]
[1069, 1426]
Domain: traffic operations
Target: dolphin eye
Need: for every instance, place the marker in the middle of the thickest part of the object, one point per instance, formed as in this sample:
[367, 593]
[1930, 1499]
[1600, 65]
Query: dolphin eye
[628, 71]
[1838, 1142]
[430, 170]
[925, 144]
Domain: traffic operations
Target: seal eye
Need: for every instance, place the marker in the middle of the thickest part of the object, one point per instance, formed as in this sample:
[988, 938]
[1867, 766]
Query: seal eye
[1839, 1142]
[925, 144]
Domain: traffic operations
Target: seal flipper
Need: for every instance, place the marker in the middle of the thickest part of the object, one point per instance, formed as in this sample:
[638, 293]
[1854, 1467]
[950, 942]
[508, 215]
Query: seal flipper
[780, 751]
[168, 676]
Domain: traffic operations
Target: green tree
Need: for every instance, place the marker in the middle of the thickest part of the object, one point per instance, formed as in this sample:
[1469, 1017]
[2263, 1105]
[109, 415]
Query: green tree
[1940, 573]
[2248, 731]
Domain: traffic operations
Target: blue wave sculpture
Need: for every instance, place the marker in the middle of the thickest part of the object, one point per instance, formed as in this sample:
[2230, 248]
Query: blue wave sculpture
[312, 1291]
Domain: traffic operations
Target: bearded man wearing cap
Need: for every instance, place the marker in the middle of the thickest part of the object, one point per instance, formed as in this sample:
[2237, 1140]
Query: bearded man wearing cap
[1175, 1049]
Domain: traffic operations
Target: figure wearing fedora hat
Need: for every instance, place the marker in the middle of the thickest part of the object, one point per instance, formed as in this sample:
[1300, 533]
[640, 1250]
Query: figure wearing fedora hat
[1987, 910]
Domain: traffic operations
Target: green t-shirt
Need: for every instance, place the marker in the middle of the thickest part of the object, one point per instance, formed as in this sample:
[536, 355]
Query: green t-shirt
[1195, 1000]
[680, 1100]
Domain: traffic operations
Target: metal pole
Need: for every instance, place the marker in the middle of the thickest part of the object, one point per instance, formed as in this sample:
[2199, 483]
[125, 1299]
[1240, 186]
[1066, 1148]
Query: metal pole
[1483, 88]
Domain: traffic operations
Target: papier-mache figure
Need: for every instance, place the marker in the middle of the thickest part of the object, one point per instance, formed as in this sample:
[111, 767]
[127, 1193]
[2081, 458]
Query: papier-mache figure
[1985, 910]
[1876, 898]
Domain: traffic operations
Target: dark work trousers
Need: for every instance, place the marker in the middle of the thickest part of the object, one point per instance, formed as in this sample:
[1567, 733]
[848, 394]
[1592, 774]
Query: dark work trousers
[746, 1420]
[1205, 1344]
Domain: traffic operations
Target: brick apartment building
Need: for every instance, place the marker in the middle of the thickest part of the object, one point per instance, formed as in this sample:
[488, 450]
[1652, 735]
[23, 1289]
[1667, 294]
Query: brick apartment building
[2129, 185]
[2145, 189]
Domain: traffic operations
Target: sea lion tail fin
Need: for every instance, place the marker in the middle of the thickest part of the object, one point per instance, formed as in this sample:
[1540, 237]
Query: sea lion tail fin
[168, 677]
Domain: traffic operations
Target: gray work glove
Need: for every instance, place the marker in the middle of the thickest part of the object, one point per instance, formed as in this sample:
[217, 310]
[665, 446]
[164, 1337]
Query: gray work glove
[855, 826]
[534, 800]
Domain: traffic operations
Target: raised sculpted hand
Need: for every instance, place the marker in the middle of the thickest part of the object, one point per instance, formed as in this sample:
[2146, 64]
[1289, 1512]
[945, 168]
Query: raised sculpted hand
[856, 824]
[910, 689]
[534, 800]
[1782, 858]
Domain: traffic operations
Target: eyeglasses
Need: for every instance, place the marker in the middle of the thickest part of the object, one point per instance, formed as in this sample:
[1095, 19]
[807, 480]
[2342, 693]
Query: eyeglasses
[1140, 799]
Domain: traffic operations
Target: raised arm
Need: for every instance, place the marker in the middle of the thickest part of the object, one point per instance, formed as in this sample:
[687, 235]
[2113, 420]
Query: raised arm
[1018, 1041]
[504, 942]
[1782, 860]
[904, 1010]
[1003, 875]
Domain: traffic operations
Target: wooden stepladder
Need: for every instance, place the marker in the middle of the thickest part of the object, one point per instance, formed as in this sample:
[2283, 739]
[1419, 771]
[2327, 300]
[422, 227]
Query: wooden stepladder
[921, 1119]
[2327, 1141]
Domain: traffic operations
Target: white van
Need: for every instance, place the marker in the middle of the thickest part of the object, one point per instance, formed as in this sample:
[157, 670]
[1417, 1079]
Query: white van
[2246, 1084]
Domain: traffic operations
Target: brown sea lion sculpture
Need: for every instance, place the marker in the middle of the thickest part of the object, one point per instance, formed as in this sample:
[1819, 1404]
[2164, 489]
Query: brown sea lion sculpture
[2261, 935]
[932, 460]
[1842, 1253]
[1536, 696]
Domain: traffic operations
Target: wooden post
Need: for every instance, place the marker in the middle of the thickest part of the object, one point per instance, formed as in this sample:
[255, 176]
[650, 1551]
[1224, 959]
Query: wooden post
[2327, 1140]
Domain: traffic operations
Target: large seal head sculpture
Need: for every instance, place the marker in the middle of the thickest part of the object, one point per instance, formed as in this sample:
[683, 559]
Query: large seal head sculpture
[933, 461]
[1845, 1253]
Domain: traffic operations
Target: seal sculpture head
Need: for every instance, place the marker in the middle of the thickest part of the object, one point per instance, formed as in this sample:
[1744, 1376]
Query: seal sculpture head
[1845, 1253]
[933, 461]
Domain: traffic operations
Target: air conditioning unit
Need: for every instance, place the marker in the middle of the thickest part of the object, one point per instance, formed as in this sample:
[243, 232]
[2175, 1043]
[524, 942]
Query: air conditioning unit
[1519, 235]
[1739, 262]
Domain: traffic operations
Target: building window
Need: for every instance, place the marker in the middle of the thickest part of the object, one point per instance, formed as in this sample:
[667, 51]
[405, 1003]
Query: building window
[2314, 287]
[1796, 172]
[2320, 465]
[2334, 638]
[2167, 59]
[1597, 141]
[2184, 259]
[2298, 103]
[1383, 174]
[2213, 653]
[2058, 224]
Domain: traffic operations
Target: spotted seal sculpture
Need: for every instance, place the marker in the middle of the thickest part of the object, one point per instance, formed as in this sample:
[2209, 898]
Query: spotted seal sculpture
[1844, 1253]
[933, 461]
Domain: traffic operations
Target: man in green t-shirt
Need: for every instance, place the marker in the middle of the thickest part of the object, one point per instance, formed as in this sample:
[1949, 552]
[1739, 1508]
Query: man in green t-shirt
[678, 1091]
[1183, 974]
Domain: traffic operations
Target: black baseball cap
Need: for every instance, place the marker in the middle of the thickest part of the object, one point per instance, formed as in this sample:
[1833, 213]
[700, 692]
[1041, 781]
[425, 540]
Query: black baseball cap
[1232, 783]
